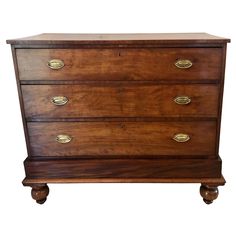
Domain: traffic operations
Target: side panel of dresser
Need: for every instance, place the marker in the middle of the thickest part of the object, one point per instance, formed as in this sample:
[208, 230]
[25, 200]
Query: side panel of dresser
[224, 48]
[20, 99]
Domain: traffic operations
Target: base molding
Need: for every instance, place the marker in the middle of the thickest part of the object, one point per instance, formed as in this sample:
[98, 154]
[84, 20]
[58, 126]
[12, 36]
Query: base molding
[205, 181]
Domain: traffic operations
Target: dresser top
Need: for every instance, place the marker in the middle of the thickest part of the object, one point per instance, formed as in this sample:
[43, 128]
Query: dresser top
[82, 39]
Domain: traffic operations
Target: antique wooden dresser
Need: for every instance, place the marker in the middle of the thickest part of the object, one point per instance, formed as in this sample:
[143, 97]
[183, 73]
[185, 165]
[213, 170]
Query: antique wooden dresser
[121, 108]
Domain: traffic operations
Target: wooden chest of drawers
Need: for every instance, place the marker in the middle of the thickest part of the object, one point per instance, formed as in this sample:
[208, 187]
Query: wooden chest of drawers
[121, 108]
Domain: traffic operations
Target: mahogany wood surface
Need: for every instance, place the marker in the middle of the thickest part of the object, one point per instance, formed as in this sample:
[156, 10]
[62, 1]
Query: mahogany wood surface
[221, 97]
[121, 138]
[120, 114]
[124, 168]
[119, 64]
[116, 39]
[209, 193]
[211, 181]
[39, 192]
[120, 100]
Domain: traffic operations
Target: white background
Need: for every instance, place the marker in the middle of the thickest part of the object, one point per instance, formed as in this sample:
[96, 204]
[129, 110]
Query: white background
[112, 209]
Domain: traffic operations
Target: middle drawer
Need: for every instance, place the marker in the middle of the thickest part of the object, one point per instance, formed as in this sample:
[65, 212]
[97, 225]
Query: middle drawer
[120, 100]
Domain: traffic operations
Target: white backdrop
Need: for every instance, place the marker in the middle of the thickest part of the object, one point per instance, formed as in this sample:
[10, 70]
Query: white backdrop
[112, 209]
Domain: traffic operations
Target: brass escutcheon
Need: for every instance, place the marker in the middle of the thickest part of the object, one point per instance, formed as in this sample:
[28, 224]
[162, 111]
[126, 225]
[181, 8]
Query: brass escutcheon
[181, 138]
[59, 100]
[183, 63]
[182, 100]
[63, 138]
[55, 64]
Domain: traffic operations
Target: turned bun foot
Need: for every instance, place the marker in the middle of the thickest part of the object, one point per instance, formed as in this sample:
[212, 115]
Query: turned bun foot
[40, 192]
[209, 193]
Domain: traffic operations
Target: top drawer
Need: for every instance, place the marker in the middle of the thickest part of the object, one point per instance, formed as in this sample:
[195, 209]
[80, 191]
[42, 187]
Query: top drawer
[120, 64]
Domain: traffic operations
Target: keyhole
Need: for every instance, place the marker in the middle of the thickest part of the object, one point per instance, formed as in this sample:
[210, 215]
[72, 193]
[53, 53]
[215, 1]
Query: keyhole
[122, 126]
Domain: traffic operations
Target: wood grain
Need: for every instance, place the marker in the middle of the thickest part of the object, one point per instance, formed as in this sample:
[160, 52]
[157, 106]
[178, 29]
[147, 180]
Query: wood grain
[124, 168]
[112, 100]
[121, 138]
[209, 193]
[120, 64]
[120, 113]
[119, 39]
[219, 181]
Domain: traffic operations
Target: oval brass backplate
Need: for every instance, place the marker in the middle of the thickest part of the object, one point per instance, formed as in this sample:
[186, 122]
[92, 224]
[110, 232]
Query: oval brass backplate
[63, 138]
[181, 138]
[182, 100]
[59, 100]
[183, 63]
[55, 64]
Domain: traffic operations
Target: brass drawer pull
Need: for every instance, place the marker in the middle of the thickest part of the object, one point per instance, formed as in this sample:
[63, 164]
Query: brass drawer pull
[59, 100]
[181, 138]
[182, 100]
[55, 64]
[63, 138]
[183, 63]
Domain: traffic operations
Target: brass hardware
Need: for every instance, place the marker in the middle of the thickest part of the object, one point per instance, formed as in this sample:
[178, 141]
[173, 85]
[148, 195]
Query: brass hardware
[63, 138]
[55, 64]
[59, 100]
[183, 63]
[182, 100]
[181, 138]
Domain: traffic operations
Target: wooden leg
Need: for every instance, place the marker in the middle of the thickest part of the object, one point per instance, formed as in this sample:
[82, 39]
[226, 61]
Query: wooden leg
[209, 193]
[39, 192]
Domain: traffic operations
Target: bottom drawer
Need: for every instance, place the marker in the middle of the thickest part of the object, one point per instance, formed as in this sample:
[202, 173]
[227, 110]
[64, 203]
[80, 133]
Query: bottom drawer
[121, 138]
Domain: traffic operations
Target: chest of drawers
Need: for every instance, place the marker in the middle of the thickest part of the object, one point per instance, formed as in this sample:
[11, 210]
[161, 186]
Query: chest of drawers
[121, 108]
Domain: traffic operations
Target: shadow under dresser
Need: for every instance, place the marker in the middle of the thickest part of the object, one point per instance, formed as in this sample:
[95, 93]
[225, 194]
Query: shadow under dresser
[132, 108]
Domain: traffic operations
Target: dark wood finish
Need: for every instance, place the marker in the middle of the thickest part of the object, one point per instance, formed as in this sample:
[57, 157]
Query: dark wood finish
[119, 64]
[121, 138]
[123, 119]
[216, 181]
[117, 39]
[123, 168]
[209, 193]
[221, 98]
[39, 192]
[20, 98]
[124, 100]
[119, 83]
[121, 113]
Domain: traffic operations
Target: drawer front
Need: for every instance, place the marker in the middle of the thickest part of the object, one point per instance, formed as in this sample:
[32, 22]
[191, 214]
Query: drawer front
[71, 101]
[120, 64]
[121, 138]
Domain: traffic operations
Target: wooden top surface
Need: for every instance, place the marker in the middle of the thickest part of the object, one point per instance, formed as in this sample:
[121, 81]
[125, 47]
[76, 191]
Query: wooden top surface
[157, 38]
